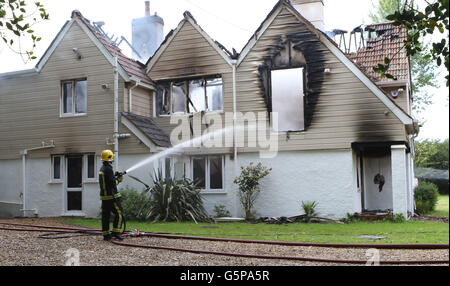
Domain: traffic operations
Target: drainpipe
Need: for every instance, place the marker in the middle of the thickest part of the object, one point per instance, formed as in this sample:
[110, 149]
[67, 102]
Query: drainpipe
[234, 64]
[24, 175]
[130, 95]
[116, 113]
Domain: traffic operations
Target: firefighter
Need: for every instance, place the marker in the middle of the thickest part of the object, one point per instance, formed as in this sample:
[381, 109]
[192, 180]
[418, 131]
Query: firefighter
[110, 198]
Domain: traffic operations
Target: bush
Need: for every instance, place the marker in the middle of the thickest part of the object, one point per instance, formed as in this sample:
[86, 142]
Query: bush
[135, 204]
[309, 208]
[221, 211]
[248, 183]
[426, 197]
[176, 200]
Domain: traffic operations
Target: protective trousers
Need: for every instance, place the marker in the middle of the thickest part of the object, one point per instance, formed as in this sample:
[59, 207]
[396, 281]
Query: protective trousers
[115, 207]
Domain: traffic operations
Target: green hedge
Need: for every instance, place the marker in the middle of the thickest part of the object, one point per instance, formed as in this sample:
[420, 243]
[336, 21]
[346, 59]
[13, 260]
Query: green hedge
[426, 197]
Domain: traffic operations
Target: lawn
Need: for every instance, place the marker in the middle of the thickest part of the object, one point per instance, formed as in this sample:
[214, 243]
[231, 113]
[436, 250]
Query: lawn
[441, 208]
[411, 232]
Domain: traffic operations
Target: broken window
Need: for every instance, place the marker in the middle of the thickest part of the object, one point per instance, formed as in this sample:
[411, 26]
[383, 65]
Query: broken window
[288, 99]
[189, 96]
[214, 94]
[74, 97]
[179, 97]
[163, 99]
[197, 100]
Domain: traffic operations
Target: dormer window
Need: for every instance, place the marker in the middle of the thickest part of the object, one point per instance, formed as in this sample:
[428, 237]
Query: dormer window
[74, 98]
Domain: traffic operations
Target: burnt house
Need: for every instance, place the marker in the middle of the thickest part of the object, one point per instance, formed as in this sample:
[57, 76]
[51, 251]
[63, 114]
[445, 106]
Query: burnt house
[343, 136]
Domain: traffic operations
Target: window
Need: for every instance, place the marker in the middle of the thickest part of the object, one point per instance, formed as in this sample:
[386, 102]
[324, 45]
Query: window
[287, 99]
[56, 174]
[189, 96]
[207, 172]
[74, 98]
[90, 167]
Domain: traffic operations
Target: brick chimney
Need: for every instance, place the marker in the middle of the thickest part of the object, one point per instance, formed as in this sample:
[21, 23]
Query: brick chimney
[313, 10]
[147, 8]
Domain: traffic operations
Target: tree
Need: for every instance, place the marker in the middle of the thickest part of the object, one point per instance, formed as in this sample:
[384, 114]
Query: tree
[421, 24]
[432, 154]
[16, 23]
[423, 71]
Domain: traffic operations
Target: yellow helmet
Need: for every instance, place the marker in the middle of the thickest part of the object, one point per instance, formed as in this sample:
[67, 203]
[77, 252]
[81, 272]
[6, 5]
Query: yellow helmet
[107, 156]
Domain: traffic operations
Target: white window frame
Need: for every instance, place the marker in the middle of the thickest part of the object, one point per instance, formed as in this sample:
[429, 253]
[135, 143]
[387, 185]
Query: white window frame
[74, 95]
[86, 179]
[61, 170]
[207, 189]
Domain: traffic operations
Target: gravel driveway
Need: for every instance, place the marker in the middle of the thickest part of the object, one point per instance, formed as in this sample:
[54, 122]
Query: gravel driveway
[25, 248]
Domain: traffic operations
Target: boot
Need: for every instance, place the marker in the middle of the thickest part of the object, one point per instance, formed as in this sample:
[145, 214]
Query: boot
[107, 237]
[118, 237]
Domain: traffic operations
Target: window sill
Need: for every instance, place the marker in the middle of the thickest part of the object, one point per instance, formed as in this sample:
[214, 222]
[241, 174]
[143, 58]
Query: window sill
[211, 192]
[70, 115]
[55, 182]
[91, 181]
[206, 113]
[74, 214]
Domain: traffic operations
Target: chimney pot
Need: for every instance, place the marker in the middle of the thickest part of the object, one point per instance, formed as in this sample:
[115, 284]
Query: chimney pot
[147, 8]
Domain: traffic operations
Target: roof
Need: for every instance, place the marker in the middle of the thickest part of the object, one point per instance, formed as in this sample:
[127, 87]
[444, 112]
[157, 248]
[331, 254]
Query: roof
[388, 42]
[150, 129]
[134, 69]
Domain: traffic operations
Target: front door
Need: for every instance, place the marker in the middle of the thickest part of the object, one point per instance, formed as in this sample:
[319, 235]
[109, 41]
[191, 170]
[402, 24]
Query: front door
[74, 184]
[377, 183]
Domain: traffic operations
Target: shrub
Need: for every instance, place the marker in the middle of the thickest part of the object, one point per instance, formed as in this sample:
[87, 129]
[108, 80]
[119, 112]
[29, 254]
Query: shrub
[426, 197]
[135, 204]
[309, 208]
[176, 200]
[248, 183]
[221, 211]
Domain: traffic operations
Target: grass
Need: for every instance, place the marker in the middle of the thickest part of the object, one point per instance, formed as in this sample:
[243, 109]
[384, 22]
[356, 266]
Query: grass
[441, 208]
[411, 232]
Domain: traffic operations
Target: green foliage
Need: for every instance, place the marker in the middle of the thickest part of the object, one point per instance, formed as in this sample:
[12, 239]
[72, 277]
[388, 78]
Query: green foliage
[309, 208]
[397, 218]
[248, 183]
[176, 201]
[432, 154]
[135, 204]
[435, 17]
[426, 197]
[221, 211]
[423, 71]
[16, 22]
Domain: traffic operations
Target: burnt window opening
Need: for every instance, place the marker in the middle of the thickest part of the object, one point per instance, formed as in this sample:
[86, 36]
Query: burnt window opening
[283, 78]
[203, 94]
[294, 51]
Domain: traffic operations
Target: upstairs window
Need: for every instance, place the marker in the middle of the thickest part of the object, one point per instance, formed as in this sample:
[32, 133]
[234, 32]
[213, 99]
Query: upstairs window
[288, 99]
[74, 98]
[190, 96]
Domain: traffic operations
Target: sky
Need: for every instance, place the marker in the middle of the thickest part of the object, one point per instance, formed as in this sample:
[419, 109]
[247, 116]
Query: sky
[231, 22]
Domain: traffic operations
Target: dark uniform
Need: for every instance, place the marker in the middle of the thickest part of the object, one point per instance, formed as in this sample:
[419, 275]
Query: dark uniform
[110, 198]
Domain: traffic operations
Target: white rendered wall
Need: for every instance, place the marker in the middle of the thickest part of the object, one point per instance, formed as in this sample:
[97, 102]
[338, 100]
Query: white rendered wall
[10, 188]
[325, 177]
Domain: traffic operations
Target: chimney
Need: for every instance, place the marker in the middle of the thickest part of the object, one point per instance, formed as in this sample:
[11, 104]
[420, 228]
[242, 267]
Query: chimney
[147, 8]
[312, 10]
[148, 34]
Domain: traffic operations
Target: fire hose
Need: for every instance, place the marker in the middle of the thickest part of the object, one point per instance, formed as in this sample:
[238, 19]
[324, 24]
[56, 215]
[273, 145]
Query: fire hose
[67, 232]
